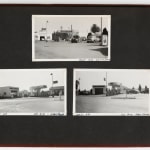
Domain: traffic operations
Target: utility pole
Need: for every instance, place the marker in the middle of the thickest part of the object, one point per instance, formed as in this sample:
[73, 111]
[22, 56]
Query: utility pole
[101, 31]
[79, 83]
[71, 27]
[101, 25]
[46, 29]
[106, 83]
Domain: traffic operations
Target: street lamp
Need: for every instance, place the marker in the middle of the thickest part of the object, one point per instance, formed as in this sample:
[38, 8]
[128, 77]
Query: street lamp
[79, 83]
[52, 79]
[52, 84]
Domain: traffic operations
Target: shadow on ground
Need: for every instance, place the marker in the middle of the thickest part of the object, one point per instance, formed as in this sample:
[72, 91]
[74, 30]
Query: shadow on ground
[103, 50]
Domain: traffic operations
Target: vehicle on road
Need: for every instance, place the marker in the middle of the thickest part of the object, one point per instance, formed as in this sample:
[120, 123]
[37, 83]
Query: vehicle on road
[83, 38]
[75, 39]
[92, 39]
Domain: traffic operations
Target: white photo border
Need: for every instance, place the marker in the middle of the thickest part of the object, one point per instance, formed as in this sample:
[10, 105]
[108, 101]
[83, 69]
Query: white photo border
[107, 114]
[41, 113]
[76, 59]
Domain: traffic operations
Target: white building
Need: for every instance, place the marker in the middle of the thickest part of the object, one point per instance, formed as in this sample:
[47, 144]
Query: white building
[42, 35]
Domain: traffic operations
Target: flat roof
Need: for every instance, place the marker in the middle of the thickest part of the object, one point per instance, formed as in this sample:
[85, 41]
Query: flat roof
[57, 87]
[98, 85]
[9, 87]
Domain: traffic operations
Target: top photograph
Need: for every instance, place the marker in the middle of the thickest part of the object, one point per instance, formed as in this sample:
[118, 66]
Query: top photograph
[71, 37]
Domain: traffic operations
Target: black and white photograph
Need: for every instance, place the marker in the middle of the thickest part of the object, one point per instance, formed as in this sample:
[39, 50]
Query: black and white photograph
[111, 92]
[71, 37]
[33, 92]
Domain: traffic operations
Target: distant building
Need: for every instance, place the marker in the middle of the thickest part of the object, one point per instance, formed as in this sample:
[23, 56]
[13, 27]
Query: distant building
[9, 92]
[112, 88]
[98, 89]
[45, 93]
[35, 91]
[116, 88]
[64, 35]
[57, 90]
[24, 93]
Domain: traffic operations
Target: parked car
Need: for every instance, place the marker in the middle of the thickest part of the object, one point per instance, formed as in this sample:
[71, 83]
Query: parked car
[83, 38]
[75, 39]
[92, 39]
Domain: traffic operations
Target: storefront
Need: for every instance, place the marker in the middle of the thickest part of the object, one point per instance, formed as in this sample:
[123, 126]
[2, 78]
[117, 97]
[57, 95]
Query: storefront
[98, 89]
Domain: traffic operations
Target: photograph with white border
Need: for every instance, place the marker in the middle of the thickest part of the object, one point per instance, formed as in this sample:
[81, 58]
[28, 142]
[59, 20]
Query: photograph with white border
[33, 92]
[111, 92]
[71, 37]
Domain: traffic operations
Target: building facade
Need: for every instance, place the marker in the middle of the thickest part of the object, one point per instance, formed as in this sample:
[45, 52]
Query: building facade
[98, 89]
[64, 35]
[35, 91]
[42, 35]
[24, 93]
[9, 92]
[56, 91]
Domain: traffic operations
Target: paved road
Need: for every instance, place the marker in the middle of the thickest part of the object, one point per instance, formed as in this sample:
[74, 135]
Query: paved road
[62, 50]
[137, 103]
[32, 105]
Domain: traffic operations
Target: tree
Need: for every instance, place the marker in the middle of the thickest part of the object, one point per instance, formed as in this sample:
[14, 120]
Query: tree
[77, 84]
[95, 28]
[146, 89]
[105, 32]
[140, 88]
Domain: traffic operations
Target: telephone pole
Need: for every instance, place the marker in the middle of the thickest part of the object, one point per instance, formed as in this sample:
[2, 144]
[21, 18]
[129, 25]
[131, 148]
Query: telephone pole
[101, 25]
[46, 29]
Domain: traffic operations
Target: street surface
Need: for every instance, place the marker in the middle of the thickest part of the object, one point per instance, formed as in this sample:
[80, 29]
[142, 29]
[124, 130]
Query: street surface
[62, 50]
[134, 103]
[32, 105]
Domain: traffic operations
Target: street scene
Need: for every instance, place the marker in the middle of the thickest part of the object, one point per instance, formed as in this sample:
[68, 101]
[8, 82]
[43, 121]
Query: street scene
[70, 37]
[33, 91]
[111, 92]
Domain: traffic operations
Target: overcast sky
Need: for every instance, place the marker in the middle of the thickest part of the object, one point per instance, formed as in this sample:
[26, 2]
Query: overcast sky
[129, 78]
[80, 23]
[25, 78]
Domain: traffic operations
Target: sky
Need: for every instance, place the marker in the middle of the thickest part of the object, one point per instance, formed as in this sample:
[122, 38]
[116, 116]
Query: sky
[79, 23]
[25, 78]
[128, 78]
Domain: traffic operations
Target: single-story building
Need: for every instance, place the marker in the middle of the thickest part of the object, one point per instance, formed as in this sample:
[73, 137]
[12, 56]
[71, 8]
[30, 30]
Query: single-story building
[98, 89]
[24, 93]
[57, 90]
[41, 35]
